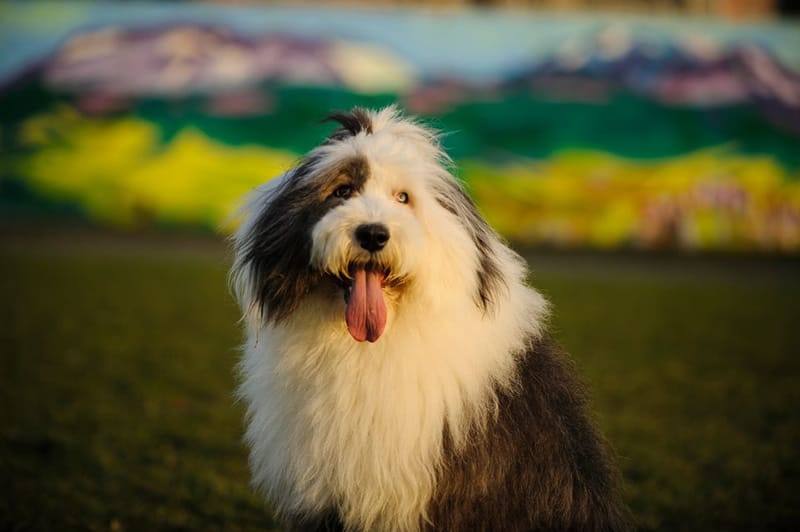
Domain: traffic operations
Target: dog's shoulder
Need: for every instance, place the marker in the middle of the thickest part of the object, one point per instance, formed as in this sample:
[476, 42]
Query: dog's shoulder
[537, 464]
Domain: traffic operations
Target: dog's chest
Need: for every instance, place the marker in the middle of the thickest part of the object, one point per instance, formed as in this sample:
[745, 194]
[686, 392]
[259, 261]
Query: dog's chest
[358, 427]
[366, 433]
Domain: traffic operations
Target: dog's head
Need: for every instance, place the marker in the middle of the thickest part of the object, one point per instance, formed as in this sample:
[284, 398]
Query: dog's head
[371, 211]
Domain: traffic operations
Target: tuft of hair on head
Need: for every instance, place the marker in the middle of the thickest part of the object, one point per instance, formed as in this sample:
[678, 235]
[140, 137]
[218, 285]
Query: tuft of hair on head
[351, 123]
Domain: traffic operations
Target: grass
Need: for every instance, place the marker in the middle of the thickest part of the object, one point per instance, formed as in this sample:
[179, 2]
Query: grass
[117, 376]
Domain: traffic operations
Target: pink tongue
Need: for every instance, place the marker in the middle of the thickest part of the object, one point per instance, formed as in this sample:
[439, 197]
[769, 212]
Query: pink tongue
[366, 310]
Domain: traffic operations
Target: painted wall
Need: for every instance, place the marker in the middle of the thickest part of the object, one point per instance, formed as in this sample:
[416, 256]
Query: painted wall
[570, 130]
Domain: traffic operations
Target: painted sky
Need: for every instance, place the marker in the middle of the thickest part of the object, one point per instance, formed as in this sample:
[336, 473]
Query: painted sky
[470, 44]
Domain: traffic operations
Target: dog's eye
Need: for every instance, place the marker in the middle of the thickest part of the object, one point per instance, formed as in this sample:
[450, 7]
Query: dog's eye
[401, 197]
[343, 191]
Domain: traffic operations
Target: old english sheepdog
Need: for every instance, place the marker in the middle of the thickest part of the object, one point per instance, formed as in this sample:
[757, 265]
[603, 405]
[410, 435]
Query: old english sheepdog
[397, 371]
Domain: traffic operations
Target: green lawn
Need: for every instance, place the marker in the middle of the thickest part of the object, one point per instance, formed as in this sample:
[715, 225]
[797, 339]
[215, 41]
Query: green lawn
[117, 376]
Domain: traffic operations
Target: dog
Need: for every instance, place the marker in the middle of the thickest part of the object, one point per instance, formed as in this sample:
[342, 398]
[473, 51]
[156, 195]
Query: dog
[397, 370]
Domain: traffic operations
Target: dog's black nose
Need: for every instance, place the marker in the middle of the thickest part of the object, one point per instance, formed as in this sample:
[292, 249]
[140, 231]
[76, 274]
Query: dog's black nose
[372, 237]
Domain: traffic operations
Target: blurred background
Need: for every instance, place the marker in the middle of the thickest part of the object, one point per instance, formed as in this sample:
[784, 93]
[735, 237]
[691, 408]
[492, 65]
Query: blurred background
[667, 127]
[643, 155]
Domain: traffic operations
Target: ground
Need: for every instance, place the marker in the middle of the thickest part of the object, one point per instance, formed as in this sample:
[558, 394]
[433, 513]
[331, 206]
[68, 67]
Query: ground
[118, 369]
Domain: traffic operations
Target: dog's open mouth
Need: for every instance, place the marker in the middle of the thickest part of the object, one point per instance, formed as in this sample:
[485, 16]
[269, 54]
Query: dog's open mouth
[366, 307]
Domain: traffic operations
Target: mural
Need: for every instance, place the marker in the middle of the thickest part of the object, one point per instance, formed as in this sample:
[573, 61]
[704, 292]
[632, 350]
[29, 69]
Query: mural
[577, 130]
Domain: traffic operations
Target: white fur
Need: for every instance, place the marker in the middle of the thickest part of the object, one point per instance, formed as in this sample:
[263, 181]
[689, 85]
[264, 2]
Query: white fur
[359, 426]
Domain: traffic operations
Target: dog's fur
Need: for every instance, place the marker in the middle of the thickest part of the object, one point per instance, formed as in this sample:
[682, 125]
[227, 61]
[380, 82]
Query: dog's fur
[459, 413]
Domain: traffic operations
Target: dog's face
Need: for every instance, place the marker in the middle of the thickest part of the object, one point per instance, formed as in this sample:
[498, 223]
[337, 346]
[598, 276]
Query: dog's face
[366, 215]
[369, 240]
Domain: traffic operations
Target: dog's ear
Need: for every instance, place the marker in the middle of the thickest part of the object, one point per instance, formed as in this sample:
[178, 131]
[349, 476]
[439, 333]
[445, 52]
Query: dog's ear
[272, 269]
[490, 281]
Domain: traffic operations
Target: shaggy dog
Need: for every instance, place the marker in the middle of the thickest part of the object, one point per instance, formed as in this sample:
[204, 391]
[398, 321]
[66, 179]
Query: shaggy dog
[397, 371]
